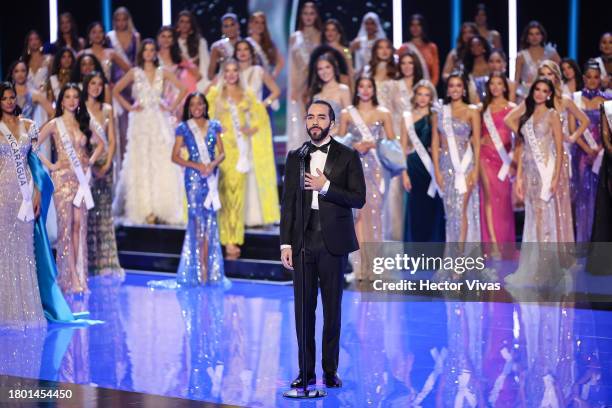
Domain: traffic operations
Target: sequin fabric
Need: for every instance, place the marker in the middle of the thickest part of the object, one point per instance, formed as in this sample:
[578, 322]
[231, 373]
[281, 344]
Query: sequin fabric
[201, 258]
[455, 205]
[71, 245]
[369, 219]
[101, 242]
[20, 305]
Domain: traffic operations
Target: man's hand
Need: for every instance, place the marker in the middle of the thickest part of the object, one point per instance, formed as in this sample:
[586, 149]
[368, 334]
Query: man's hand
[287, 258]
[315, 183]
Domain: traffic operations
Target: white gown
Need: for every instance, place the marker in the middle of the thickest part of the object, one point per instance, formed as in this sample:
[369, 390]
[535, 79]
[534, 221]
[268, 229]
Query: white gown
[149, 182]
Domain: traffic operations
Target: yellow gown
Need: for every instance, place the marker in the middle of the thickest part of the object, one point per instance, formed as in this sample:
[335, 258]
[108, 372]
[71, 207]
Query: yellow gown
[232, 183]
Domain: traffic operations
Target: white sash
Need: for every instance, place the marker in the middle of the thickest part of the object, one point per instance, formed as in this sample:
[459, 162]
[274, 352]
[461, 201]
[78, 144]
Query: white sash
[112, 36]
[602, 68]
[366, 136]
[212, 198]
[228, 48]
[422, 153]
[95, 126]
[260, 53]
[55, 86]
[26, 210]
[499, 145]
[417, 52]
[300, 47]
[84, 192]
[546, 170]
[588, 136]
[463, 391]
[460, 165]
[405, 94]
[243, 165]
[608, 110]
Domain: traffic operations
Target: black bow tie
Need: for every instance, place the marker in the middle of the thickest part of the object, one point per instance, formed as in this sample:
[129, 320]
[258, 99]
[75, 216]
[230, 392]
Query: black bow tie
[323, 148]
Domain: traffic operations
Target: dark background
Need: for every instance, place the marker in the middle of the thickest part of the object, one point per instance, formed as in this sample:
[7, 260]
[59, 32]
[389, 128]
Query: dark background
[17, 17]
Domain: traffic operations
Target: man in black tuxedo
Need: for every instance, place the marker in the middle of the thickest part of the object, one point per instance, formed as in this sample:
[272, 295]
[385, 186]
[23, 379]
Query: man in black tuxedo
[334, 185]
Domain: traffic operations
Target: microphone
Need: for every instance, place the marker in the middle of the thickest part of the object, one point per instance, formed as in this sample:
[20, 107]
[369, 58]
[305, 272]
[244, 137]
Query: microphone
[304, 150]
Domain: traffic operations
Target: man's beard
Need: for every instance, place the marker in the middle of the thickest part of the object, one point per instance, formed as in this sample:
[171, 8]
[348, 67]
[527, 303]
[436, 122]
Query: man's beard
[322, 135]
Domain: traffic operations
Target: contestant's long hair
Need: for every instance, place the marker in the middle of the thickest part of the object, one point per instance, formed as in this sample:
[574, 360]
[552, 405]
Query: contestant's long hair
[77, 76]
[251, 50]
[57, 60]
[339, 28]
[419, 18]
[416, 63]
[489, 98]
[139, 56]
[74, 36]
[468, 58]
[86, 80]
[267, 45]
[194, 37]
[530, 104]
[175, 50]
[374, 60]
[81, 115]
[554, 67]
[315, 84]
[5, 87]
[524, 43]
[459, 75]
[318, 24]
[187, 111]
[356, 98]
[577, 72]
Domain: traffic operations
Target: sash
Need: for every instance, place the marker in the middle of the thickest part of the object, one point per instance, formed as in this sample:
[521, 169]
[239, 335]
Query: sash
[300, 47]
[588, 136]
[84, 192]
[405, 94]
[55, 86]
[421, 58]
[439, 357]
[112, 36]
[227, 47]
[608, 109]
[366, 135]
[212, 200]
[499, 145]
[459, 165]
[243, 165]
[95, 126]
[602, 68]
[26, 210]
[260, 53]
[546, 170]
[463, 391]
[422, 153]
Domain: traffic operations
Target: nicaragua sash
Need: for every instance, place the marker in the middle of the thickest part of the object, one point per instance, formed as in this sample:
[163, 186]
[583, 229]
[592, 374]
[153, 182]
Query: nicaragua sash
[84, 192]
[26, 210]
[421, 58]
[547, 169]
[588, 136]
[460, 165]
[366, 136]
[212, 200]
[499, 145]
[422, 153]
[243, 165]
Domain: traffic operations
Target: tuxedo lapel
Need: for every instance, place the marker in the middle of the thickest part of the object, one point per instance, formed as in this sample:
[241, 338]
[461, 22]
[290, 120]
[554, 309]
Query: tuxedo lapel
[332, 156]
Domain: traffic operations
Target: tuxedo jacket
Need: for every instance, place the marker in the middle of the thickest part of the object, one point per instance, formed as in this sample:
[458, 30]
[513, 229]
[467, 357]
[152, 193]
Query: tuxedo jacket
[347, 190]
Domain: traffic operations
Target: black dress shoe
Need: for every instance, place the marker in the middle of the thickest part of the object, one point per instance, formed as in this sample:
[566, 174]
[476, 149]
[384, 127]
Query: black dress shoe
[332, 380]
[297, 383]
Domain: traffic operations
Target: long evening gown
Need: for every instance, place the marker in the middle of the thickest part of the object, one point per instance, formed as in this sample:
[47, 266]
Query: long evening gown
[369, 219]
[150, 183]
[424, 219]
[233, 190]
[496, 194]
[66, 186]
[547, 223]
[196, 267]
[298, 58]
[101, 241]
[454, 202]
[529, 71]
[20, 303]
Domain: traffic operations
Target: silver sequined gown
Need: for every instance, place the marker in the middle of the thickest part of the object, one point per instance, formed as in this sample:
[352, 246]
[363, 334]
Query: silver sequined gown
[454, 202]
[20, 305]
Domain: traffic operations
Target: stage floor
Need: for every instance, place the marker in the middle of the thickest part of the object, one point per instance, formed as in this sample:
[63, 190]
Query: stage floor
[237, 346]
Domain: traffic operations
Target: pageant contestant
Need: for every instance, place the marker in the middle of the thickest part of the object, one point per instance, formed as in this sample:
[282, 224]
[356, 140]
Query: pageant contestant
[223, 49]
[334, 186]
[496, 213]
[301, 44]
[39, 66]
[194, 47]
[67, 35]
[424, 219]
[534, 49]
[20, 304]
[492, 36]
[367, 123]
[371, 30]
[572, 77]
[85, 65]
[333, 35]
[589, 156]
[497, 63]
[71, 175]
[268, 55]
[247, 184]
[254, 77]
[325, 84]
[107, 56]
[27, 99]
[410, 73]
[201, 259]
[602, 220]
[538, 183]
[150, 182]
[421, 47]
[455, 148]
[476, 68]
[605, 59]
[454, 59]
[101, 242]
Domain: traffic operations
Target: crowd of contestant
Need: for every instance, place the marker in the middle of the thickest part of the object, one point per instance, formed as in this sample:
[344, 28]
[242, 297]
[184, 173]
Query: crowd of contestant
[168, 130]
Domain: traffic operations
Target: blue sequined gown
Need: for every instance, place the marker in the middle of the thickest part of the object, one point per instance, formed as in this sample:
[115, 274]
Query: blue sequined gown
[197, 268]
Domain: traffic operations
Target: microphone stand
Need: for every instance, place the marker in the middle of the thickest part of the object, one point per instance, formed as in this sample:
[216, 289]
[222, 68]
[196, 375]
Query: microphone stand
[304, 392]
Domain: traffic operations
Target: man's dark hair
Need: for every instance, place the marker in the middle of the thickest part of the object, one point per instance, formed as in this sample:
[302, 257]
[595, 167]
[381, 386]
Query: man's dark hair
[332, 115]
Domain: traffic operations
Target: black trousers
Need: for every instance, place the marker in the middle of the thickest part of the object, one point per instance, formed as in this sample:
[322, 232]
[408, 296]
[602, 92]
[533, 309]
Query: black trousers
[326, 270]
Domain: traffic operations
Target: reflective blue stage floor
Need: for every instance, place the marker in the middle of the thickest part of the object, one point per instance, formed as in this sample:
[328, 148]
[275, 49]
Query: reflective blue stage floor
[238, 347]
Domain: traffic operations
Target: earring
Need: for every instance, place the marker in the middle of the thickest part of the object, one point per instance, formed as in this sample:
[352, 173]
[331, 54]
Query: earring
[464, 93]
[548, 98]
